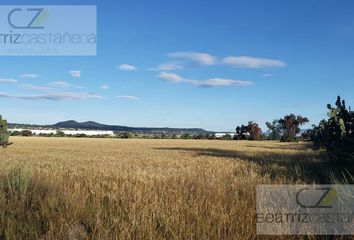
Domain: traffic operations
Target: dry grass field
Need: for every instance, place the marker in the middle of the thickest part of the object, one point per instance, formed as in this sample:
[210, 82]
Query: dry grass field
[69, 188]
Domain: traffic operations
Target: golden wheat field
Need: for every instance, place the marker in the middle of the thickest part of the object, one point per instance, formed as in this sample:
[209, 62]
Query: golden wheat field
[71, 188]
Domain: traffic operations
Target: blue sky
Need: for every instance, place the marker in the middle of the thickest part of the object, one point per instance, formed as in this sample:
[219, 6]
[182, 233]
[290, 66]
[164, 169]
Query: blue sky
[209, 64]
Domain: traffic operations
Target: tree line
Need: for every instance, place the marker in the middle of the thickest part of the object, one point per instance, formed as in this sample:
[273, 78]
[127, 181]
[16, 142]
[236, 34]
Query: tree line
[334, 134]
[285, 129]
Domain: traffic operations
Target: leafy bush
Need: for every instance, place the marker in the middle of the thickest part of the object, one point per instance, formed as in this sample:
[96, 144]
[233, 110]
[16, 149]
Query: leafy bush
[336, 134]
[199, 136]
[186, 136]
[210, 136]
[60, 133]
[16, 133]
[26, 133]
[125, 135]
[3, 126]
[4, 135]
[226, 137]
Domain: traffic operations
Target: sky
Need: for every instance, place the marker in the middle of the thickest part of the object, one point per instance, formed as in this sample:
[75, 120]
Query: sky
[200, 63]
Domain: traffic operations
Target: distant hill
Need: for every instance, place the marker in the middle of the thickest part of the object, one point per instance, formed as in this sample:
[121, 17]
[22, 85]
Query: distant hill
[90, 125]
[74, 124]
[98, 126]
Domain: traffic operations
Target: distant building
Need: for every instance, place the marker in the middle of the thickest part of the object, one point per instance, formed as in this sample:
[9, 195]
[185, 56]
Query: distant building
[66, 131]
[220, 135]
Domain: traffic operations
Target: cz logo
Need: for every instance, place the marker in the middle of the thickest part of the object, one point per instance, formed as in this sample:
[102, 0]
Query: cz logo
[36, 18]
[326, 197]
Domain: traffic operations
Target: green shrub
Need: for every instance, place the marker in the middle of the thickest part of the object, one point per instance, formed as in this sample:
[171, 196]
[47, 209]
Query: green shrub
[226, 137]
[336, 134]
[26, 133]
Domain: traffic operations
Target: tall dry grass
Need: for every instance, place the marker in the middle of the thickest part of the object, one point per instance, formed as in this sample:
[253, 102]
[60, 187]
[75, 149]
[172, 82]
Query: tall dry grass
[66, 188]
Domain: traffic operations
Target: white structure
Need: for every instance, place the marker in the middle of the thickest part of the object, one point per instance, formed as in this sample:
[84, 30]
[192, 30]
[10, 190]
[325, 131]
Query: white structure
[66, 131]
[220, 135]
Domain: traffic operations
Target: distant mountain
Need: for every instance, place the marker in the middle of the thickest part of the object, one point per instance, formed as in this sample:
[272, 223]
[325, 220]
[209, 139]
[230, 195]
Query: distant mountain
[90, 125]
[74, 124]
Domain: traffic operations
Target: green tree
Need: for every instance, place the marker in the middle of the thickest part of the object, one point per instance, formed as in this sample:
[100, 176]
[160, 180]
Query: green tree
[241, 132]
[274, 130]
[255, 132]
[250, 132]
[290, 125]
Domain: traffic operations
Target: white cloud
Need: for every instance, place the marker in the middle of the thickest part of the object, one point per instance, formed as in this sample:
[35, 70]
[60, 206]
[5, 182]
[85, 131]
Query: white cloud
[219, 82]
[63, 85]
[166, 67]
[75, 73]
[252, 62]
[266, 75]
[54, 96]
[170, 77]
[29, 75]
[6, 80]
[35, 87]
[105, 87]
[213, 82]
[53, 86]
[130, 98]
[204, 59]
[127, 67]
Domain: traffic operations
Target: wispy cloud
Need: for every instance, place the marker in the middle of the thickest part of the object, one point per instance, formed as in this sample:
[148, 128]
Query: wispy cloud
[36, 87]
[53, 86]
[267, 75]
[63, 85]
[252, 62]
[213, 82]
[219, 82]
[6, 80]
[75, 73]
[203, 59]
[54, 96]
[129, 98]
[167, 67]
[105, 87]
[29, 75]
[170, 77]
[127, 67]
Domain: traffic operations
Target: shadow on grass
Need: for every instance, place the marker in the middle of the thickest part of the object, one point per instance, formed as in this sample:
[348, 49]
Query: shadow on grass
[311, 167]
[287, 146]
